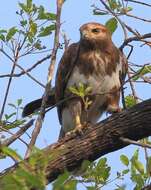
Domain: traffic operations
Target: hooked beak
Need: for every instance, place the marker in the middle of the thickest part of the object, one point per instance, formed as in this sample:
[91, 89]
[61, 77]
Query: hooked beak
[83, 34]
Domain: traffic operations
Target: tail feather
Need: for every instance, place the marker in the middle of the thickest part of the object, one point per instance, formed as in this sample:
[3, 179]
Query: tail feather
[36, 104]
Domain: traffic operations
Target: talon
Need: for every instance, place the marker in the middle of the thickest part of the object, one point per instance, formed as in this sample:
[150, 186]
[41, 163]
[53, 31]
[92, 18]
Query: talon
[79, 129]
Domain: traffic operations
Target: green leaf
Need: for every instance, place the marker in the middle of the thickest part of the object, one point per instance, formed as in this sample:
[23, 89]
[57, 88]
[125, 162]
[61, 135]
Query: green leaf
[11, 32]
[42, 15]
[130, 101]
[7, 117]
[12, 105]
[18, 122]
[99, 13]
[23, 22]
[125, 171]
[141, 72]
[138, 179]
[69, 185]
[30, 179]
[46, 31]
[60, 181]
[102, 162]
[113, 4]
[14, 124]
[23, 7]
[19, 102]
[88, 90]
[111, 24]
[126, 10]
[81, 87]
[74, 90]
[51, 16]
[2, 37]
[148, 165]
[136, 153]
[129, 9]
[85, 165]
[28, 7]
[33, 28]
[29, 4]
[10, 152]
[139, 166]
[3, 31]
[124, 159]
[91, 188]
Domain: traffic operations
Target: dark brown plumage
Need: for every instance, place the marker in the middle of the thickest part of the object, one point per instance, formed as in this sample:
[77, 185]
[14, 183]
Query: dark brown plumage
[95, 62]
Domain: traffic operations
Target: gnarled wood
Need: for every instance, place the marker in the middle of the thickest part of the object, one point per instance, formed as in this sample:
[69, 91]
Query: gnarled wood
[96, 141]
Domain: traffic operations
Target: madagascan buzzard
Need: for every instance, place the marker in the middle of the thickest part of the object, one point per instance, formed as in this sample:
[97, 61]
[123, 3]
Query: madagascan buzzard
[95, 66]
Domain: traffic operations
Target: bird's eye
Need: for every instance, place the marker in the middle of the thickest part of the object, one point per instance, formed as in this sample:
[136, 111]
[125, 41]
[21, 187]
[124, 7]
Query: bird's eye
[95, 30]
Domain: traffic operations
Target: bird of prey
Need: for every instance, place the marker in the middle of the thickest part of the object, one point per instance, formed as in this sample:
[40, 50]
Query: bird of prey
[99, 67]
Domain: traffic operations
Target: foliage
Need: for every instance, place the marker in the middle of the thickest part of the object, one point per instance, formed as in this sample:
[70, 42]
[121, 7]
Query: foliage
[83, 92]
[141, 72]
[130, 101]
[26, 177]
[35, 22]
[111, 25]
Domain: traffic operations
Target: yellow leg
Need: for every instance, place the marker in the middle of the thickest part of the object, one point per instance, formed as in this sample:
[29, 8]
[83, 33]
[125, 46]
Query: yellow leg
[78, 126]
[77, 120]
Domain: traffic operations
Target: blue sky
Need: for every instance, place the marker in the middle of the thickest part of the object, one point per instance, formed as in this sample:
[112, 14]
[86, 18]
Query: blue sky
[74, 14]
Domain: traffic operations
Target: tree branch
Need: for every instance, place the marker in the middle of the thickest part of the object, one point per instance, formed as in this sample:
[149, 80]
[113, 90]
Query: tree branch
[17, 135]
[96, 141]
[135, 38]
[41, 115]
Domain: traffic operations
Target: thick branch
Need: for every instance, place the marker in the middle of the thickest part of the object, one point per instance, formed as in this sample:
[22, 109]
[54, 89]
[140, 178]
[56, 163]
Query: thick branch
[96, 141]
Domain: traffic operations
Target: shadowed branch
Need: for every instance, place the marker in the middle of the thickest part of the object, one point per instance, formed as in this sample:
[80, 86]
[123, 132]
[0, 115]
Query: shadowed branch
[96, 141]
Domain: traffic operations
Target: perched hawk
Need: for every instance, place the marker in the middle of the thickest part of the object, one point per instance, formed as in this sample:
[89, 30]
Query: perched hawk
[95, 63]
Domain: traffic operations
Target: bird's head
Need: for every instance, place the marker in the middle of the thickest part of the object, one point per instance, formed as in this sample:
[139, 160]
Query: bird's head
[95, 33]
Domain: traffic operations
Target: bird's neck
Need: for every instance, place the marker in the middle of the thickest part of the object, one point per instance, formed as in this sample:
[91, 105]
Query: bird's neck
[103, 46]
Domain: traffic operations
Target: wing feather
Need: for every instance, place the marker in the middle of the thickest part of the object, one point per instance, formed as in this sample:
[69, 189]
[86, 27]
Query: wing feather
[64, 71]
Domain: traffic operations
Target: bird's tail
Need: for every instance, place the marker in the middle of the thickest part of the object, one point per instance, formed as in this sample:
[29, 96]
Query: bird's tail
[36, 104]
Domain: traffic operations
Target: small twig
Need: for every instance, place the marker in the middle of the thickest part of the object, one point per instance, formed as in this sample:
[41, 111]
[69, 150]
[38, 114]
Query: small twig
[41, 116]
[114, 14]
[139, 2]
[9, 82]
[66, 40]
[135, 38]
[138, 18]
[132, 86]
[131, 30]
[17, 135]
[134, 75]
[136, 65]
[9, 132]
[28, 70]
[30, 76]
[129, 141]
[147, 158]
[122, 93]
[142, 77]
[36, 52]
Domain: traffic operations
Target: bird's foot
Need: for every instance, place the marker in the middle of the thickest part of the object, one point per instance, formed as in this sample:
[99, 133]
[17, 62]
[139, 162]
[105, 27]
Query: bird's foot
[79, 129]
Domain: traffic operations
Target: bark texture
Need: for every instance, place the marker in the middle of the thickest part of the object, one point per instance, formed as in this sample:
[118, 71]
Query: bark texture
[96, 141]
